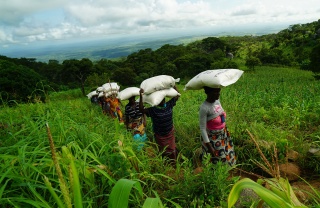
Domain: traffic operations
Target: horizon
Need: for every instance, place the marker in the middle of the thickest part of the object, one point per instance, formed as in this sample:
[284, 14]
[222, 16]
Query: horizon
[27, 25]
[117, 41]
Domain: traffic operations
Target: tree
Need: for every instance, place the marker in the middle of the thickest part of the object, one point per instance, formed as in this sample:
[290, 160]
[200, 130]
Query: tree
[315, 60]
[18, 82]
[125, 76]
[212, 43]
[251, 62]
[52, 72]
[192, 64]
[168, 53]
[85, 69]
[96, 80]
[150, 68]
[104, 66]
[169, 69]
[76, 72]
[137, 60]
[218, 55]
[224, 64]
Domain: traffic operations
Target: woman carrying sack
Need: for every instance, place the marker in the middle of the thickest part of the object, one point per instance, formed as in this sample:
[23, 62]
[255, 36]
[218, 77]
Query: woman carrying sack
[216, 138]
[135, 122]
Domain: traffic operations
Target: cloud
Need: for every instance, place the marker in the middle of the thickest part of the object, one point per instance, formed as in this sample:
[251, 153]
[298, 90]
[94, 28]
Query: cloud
[30, 20]
[5, 38]
[14, 11]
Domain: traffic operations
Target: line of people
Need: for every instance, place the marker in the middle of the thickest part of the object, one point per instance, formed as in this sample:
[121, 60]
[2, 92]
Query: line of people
[216, 139]
[111, 106]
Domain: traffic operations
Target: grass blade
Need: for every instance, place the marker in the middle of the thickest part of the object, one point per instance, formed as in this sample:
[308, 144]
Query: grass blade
[151, 203]
[119, 196]
[75, 184]
[53, 193]
[36, 194]
[265, 194]
[1, 179]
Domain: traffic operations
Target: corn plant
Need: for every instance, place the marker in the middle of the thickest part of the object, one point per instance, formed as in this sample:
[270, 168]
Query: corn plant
[280, 196]
[280, 106]
[119, 196]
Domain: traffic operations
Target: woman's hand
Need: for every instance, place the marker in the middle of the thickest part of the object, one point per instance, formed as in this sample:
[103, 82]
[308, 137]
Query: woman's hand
[141, 107]
[210, 148]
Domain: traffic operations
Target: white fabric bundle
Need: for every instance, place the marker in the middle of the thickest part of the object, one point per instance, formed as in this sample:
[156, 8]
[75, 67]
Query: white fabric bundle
[216, 78]
[112, 86]
[92, 94]
[107, 94]
[155, 98]
[128, 93]
[101, 94]
[100, 89]
[157, 83]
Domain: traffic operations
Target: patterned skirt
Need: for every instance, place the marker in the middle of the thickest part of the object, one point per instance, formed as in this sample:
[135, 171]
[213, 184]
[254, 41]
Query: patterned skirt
[222, 144]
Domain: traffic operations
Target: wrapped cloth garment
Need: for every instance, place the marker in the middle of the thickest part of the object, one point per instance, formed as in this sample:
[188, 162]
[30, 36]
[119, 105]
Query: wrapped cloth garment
[222, 144]
[167, 144]
[115, 108]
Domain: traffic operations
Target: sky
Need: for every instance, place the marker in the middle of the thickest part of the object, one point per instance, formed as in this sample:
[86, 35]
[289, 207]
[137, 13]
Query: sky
[31, 22]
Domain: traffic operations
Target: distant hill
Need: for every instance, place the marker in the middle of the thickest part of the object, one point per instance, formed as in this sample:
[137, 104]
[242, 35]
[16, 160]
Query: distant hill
[113, 48]
[96, 49]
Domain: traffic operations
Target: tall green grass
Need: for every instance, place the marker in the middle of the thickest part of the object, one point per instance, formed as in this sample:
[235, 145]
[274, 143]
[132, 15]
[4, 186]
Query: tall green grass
[277, 105]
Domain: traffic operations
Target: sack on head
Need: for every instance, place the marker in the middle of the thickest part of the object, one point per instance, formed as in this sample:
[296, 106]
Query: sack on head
[112, 86]
[216, 78]
[128, 93]
[107, 94]
[100, 89]
[92, 94]
[155, 98]
[156, 83]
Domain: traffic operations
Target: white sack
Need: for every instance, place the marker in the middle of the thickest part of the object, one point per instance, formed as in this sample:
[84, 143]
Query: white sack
[100, 89]
[107, 94]
[156, 83]
[92, 94]
[216, 78]
[128, 93]
[101, 94]
[155, 98]
[112, 86]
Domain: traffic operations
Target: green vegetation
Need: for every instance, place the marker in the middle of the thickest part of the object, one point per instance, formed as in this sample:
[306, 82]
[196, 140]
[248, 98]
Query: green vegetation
[59, 150]
[297, 46]
[277, 105]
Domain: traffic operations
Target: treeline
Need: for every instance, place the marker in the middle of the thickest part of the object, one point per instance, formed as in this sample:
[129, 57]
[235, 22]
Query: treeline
[26, 79]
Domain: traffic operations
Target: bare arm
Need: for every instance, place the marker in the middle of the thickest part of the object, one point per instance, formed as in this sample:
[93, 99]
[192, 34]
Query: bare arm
[141, 107]
[127, 121]
[210, 148]
[176, 97]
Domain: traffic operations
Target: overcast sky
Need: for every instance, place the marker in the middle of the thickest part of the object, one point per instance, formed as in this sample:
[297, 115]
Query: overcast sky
[26, 22]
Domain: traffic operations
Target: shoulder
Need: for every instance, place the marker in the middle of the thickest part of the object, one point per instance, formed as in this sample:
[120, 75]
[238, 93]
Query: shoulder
[217, 102]
[172, 101]
[205, 106]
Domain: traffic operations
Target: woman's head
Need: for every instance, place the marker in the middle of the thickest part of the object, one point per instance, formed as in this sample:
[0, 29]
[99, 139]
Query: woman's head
[208, 90]
[132, 99]
[212, 93]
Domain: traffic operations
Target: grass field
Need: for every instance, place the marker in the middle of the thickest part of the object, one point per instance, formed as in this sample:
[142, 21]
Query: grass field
[278, 106]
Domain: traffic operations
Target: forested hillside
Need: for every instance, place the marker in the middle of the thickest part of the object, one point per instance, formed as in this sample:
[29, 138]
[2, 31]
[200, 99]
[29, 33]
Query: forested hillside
[27, 80]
